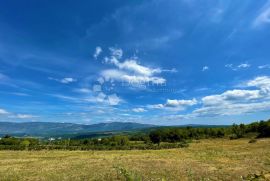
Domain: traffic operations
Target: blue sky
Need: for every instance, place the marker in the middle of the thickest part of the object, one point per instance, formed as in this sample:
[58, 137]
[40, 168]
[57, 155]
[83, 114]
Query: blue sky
[161, 62]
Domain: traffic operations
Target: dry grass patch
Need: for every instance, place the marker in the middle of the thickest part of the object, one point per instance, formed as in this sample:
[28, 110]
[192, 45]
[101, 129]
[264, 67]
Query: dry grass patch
[216, 159]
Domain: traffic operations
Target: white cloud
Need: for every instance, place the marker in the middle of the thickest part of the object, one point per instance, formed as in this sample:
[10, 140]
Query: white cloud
[66, 98]
[238, 67]
[173, 70]
[65, 80]
[267, 66]
[174, 104]
[236, 102]
[253, 99]
[205, 68]
[114, 74]
[2, 111]
[264, 16]
[155, 106]
[17, 116]
[83, 90]
[131, 71]
[116, 52]
[262, 82]
[68, 80]
[139, 110]
[231, 109]
[97, 52]
[133, 67]
[25, 116]
[114, 99]
[232, 96]
[177, 103]
[244, 65]
[101, 97]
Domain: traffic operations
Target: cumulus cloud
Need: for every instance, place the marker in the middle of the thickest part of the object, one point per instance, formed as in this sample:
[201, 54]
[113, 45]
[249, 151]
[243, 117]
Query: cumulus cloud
[231, 96]
[114, 74]
[97, 52]
[236, 102]
[231, 109]
[233, 102]
[130, 70]
[261, 82]
[174, 104]
[133, 67]
[177, 103]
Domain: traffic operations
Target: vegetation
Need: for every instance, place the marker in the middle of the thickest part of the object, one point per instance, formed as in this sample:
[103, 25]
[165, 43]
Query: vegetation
[160, 138]
[201, 157]
[260, 129]
[205, 159]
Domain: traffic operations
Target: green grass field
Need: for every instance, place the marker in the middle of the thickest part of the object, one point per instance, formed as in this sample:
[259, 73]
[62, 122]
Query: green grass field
[216, 159]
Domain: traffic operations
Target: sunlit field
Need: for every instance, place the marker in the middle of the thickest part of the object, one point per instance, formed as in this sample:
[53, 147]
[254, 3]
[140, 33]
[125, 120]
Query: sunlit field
[216, 159]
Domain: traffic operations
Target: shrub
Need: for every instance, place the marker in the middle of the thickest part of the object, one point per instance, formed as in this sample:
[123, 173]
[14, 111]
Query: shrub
[252, 141]
[233, 137]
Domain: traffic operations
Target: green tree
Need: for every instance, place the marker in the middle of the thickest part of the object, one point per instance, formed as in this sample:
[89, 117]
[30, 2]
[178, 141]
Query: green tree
[156, 136]
[25, 143]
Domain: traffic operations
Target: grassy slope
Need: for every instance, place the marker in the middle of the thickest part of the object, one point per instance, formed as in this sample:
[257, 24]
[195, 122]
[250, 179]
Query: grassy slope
[217, 159]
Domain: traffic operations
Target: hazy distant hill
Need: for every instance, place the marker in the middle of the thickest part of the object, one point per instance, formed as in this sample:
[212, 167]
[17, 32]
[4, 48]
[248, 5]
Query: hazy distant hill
[47, 128]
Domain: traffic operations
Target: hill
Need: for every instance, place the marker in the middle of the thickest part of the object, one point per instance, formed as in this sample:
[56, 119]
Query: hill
[51, 128]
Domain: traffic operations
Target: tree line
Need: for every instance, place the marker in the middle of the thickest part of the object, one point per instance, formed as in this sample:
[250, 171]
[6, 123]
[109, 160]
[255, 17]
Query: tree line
[160, 138]
[257, 129]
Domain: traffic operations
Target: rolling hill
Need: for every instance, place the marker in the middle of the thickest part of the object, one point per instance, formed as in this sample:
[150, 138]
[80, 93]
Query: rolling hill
[50, 128]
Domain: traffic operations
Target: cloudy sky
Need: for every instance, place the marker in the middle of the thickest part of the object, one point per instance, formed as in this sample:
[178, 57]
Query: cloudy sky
[162, 62]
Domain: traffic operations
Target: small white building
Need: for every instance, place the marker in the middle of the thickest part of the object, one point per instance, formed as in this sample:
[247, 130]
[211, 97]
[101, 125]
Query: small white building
[51, 139]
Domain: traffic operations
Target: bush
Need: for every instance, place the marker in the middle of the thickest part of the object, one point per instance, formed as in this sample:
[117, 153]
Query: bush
[233, 137]
[252, 141]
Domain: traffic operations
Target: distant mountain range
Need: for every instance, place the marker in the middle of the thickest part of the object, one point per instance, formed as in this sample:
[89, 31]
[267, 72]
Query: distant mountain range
[49, 128]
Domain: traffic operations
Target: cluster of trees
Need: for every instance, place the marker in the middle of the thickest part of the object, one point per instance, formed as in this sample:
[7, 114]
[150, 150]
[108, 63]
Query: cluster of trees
[169, 137]
[261, 129]
[17, 143]
[119, 142]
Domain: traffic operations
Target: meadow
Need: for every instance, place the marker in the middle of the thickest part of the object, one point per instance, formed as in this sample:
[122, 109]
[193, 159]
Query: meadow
[206, 159]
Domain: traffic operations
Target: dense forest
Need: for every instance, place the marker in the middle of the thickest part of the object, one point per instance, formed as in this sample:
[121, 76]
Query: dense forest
[159, 138]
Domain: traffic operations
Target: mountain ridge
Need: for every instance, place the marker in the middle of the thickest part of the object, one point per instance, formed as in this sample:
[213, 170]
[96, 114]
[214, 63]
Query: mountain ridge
[52, 128]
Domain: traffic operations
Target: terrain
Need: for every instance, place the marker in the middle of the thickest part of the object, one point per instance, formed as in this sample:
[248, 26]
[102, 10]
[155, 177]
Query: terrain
[53, 128]
[206, 159]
